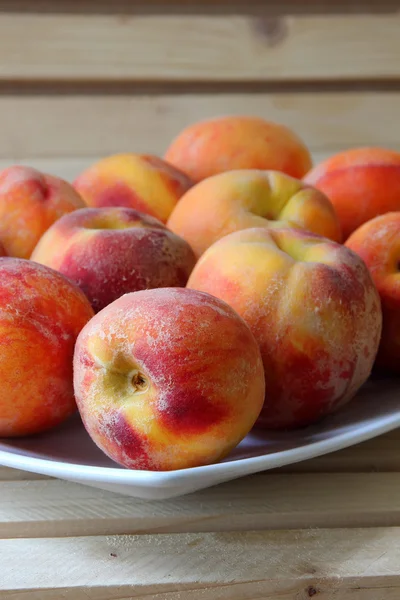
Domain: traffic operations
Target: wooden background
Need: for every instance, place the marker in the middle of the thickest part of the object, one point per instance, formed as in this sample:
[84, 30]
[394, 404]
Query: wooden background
[82, 79]
[85, 78]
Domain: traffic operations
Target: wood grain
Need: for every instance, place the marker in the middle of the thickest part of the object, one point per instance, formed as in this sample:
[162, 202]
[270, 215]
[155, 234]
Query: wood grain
[180, 47]
[265, 501]
[353, 565]
[7, 474]
[88, 125]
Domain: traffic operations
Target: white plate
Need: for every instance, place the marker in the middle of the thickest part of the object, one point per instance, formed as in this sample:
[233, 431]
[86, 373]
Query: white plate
[69, 453]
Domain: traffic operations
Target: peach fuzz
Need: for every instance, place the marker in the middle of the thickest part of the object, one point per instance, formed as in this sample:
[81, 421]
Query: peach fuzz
[140, 181]
[313, 308]
[168, 379]
[248, 198]
[109, 252]
[377, 242]
[361, 183]
[30, 202]
[228, 143]
[41, 314]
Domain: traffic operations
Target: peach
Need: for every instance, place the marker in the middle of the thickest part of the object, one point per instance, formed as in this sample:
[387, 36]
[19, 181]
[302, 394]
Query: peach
[30, 202]
[167, 379]
[313, 308]
[245, 199]
[109, 252]
[2, 250]
[143, 182]
[361, 183]
[41, 314]
[377, 242]
[234, 142]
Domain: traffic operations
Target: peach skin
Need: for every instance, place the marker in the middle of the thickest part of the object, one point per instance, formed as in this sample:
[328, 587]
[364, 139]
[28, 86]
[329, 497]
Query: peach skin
[41, 314]
[168, 379]
[229, 143]
[361, 183]
[2, 250]
[313, 308]
[244, 199]
[140, 181]
[30, 202]
[109, 252]
[377, 242]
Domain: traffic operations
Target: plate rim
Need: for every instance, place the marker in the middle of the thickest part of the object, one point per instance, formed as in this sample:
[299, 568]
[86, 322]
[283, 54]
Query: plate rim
[219, 471]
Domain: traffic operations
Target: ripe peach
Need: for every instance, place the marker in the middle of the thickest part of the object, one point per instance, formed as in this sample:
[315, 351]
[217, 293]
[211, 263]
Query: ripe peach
[229, 143]
[146, 183]
[361, 183]
[2, 250]
[378, 244]
[249, 198]
[167, 379]
[30, 202]
[313, 308]
[109, 252]
[41, 314]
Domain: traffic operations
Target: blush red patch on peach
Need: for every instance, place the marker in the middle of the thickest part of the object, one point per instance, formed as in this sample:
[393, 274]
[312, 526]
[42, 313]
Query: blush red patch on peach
[118, 194]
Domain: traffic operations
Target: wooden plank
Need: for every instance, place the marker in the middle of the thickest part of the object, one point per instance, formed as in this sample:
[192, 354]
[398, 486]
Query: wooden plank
[361, 564]
[86, 125]
[7, 474]
[173, 47]
[68, 167]
[265, 501]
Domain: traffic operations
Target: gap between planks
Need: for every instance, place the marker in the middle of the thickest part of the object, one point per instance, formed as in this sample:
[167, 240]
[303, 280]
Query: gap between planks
[358, 564]
[45, 508]
[199, 7]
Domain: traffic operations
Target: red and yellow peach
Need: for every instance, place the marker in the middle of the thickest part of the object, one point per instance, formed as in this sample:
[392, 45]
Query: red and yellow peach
[109, 252]
[140, 181]
[167, 379]
[361, 183]
[41, 314]
[377, 242]
[224, 144]
[313, 308]
[243, 199]
[30, 202]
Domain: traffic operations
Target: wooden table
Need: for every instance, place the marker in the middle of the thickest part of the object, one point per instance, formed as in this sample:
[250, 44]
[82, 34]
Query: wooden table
[327, 528]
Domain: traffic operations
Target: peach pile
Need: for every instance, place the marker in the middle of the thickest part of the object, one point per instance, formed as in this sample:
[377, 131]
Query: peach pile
[313, 308]
[109, 252]
[41, 315]
[138, 181]
[168, 378]
[248, 198]
[185, 300]
[229, 143]
[29, 203]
